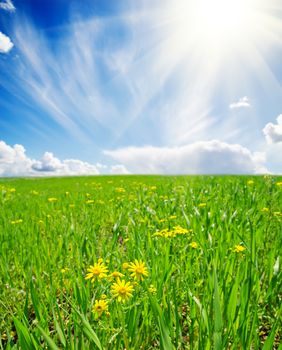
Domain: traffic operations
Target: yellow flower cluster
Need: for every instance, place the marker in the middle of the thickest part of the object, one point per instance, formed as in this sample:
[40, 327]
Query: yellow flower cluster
[170, 233]
[121, 289]
[15, 222]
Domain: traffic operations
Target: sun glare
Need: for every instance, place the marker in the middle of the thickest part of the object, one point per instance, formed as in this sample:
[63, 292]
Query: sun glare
[222, 18]
[217, 23]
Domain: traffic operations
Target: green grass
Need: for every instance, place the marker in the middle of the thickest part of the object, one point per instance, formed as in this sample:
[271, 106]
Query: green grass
[207, 296]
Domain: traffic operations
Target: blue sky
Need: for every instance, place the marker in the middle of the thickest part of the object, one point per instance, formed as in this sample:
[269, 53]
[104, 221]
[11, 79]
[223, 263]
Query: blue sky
[143, 86]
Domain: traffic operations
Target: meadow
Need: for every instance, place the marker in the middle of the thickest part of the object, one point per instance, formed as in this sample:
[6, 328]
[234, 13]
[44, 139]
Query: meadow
[141, 262]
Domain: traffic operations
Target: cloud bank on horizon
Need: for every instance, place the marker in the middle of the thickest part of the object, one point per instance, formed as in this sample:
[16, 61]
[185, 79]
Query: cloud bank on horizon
[141, 85]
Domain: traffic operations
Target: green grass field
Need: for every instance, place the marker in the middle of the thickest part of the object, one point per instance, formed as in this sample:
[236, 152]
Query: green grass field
[211, 277]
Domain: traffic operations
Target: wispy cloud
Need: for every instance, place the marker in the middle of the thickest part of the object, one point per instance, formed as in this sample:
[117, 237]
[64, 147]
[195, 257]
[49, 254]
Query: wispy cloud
[5, 43]
[104, 79]
[273, 132]
[7, 5]
[210, 157]
[243, 102]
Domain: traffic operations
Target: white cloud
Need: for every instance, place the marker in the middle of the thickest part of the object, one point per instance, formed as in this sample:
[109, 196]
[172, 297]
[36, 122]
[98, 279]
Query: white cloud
[119, 169]
[5, 43]
[273, 132]
[243, 102]
[7, 5]
[15, 162]
[205, 157]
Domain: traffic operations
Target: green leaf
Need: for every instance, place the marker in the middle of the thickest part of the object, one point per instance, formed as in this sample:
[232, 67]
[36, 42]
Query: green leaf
[218, 325]
[165, 339]
[268, 345]
[49, 341]
[88, 331]
[26, 341]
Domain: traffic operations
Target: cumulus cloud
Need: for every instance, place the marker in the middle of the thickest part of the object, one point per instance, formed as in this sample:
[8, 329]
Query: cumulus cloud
[273, 132]
[243, 102]
[15, 162]
[119, 169]
[7, 5]
[5, 43]
[206, 157]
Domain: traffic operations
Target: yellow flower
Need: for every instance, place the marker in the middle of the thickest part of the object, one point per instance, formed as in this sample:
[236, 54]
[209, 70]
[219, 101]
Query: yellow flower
[125, 265]
[250, 182]
[265, 209]
[96, 271]
[152, 289]
[193, 245]
[138, 270]
[89, 201]
[202, 205]
[116, 274]
[122, 290]
[120, 190]
[172, 217]
[279, 184]
[14, 222]
[12, 190]
[100, 306]
[52, 199]
[178, 230]
[239, 248]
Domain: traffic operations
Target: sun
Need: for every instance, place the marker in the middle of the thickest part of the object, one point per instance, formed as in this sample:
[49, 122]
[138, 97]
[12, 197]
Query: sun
[218, 24]
[222, 19]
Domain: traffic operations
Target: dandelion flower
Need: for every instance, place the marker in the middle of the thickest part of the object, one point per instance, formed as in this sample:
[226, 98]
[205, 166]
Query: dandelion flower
[52, 199]
[138, 270]
[100, 306]
[239, 248]
[125, 265]
[250, 182]
[193, 245]
[96, 271]
[202, 205]
[116, 274]
[122, 290]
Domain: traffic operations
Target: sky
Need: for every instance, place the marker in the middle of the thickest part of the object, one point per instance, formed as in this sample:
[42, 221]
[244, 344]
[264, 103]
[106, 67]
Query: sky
[140, 87]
